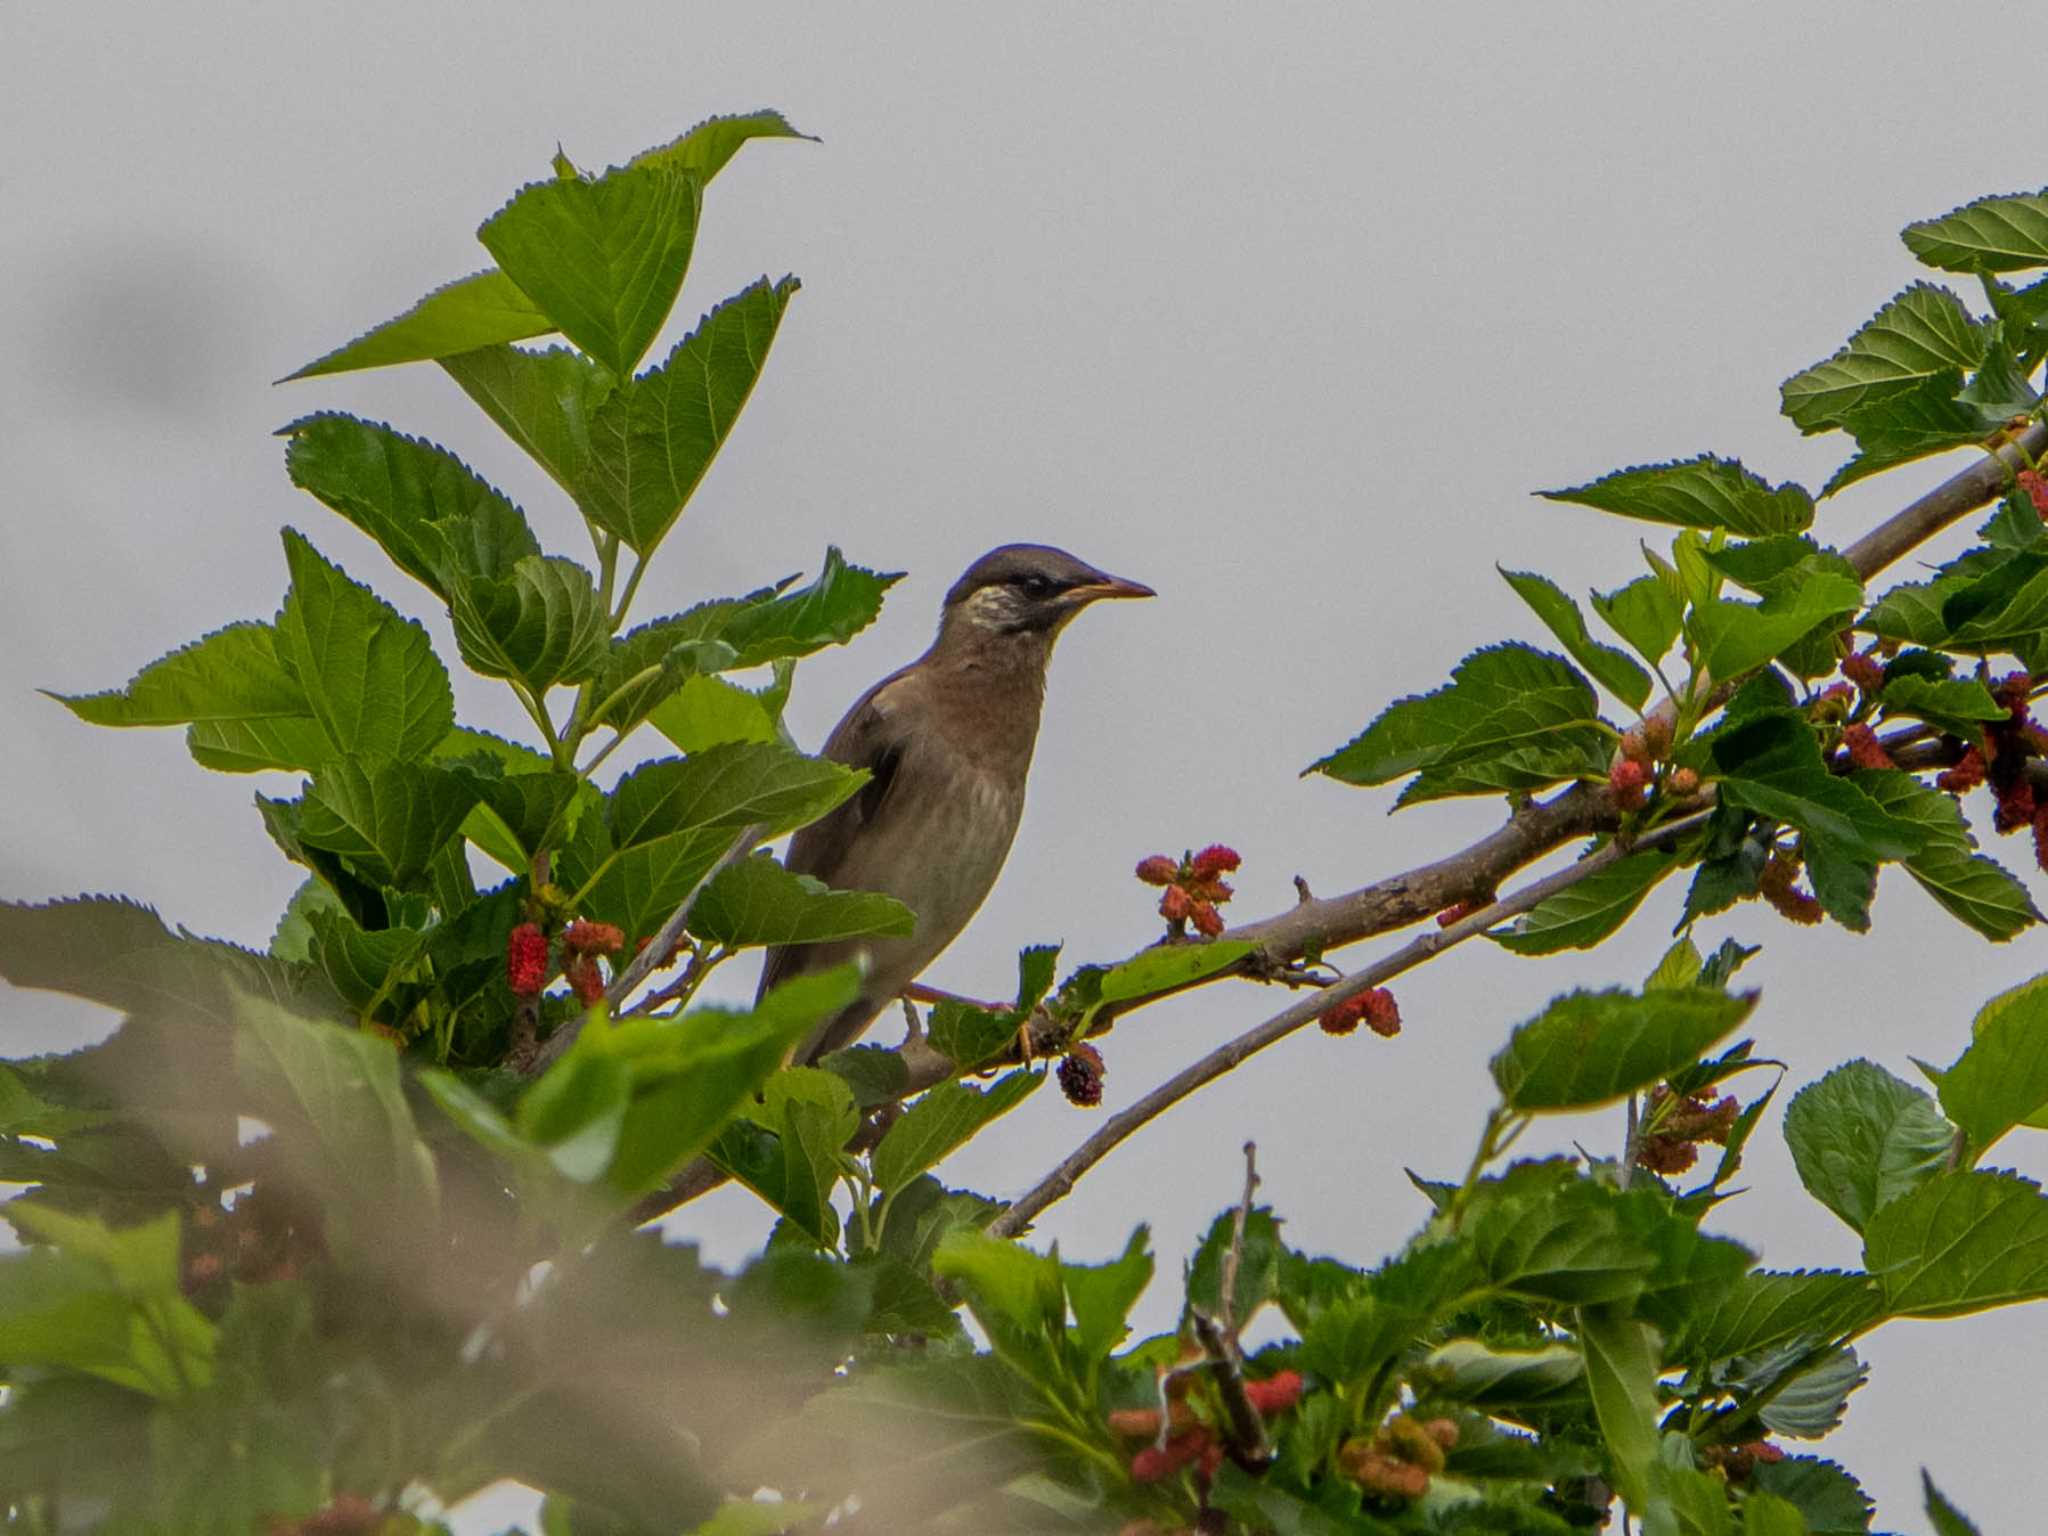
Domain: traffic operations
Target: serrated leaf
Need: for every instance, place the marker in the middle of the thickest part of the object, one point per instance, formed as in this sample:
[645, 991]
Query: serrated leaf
[1829, 1499]
[1960, 706]
[1905, 426]
[388, 819]
[1766, 1310]
[1644, 613]
[1960, 1243]
[429, 511]
[1772, 765]
[1923, 334]
[942, 1120]
[2006, 602]
[729, 786]
[649, 663]
[707, 711]
[1735, 636]
[1260, 1256]
[1811, 1403]
[839, 604]
[1471, 1372]
[371, 677]
[757, 901]
[1844, 884]
[1166, 967]
[1706, 492]
[1612, 669]
[2001, 1080]
[1621, 1379]
[967, 1036]
[1102, 1295]
[232, 674]
[1992, 234]
[1861, 1139]
[357, 963]
[1499, 698]
[1591, 1048]
[1946, 1519]
[544, 401]
[480, 310]
[1975, 889]
[653, 439]
[1354, 1336]
[706, 148]
[543, 623]
[604, 259]
[1583, 915]
[291, 743]
[519, 814]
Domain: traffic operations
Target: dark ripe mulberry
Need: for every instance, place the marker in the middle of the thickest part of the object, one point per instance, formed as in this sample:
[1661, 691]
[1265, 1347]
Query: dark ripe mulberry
[1081, 1072]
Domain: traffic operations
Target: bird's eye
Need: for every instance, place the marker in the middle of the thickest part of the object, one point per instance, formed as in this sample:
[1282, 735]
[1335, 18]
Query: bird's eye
[1035, 587]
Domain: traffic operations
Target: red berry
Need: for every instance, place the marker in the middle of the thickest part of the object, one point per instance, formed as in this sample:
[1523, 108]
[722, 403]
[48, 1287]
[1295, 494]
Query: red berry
[1684, 783]
[1212, 861]
[1966, 775]
[2041, 837]
[2036, 488]
[1865, 671]
[526, 960]
[1158, 869]
[1275, 1395]
[1382, 1013]
[1208, 921]
[584, 979]
[1345, 1017]
[1625, 781]
[1081, 1073]
[587, 938]
[1863, 747]
[1175, 905]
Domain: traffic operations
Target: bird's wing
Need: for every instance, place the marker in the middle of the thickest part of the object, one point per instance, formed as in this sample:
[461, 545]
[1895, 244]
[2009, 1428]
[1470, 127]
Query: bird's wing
[866, 738]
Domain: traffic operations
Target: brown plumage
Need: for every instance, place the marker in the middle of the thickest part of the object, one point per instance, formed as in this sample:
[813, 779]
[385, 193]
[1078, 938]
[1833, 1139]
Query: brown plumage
[947, 744]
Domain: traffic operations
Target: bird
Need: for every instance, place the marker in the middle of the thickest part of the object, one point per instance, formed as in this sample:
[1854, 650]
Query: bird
[947, 744]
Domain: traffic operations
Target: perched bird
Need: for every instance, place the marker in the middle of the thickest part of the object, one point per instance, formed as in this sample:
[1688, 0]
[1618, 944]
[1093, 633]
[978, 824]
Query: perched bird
[947, 744]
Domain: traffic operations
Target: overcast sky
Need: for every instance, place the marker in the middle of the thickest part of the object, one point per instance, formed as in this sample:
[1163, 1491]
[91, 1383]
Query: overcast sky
[1284, 310]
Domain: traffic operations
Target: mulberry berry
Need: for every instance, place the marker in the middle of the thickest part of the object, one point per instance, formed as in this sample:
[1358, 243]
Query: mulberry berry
[587, 938]
[1382, 1013]
[526, 960]
[1207, 920]
[1967, 774]
[1212, 861]
[2036, 488]
[1081, 1073]
[1863, 747]
[1175, 905]
[1158, 869]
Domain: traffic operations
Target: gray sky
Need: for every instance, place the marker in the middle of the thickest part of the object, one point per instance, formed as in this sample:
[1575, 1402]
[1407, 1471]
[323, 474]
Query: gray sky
[1283, 310]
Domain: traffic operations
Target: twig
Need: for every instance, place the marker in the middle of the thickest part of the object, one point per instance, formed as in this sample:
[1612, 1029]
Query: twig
[1224, 1058]
[1235, 1254]
[1244, 1428]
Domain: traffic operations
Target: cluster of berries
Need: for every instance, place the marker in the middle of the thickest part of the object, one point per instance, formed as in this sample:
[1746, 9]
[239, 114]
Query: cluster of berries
[1081, 1073]
[527, 958]
[1188, 1440]
[1737, 1462]
[2002, 763]
[265, 1236]
[1374, 1007]
[1194, 887]
[1398, 1462]
[2036, 488]
[1643, 746]
[1778, 883]
[1674, 1146]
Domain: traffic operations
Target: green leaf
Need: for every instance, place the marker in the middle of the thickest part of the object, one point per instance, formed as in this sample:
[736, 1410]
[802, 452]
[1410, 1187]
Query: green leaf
[1590, 1048]
[1843, 884]
[1829, 1498]
[1993, 234]
[1810, 1403]
[605, 258]
[1500, 697]
[706, 148]
[1017, 1297]
[576, 1110]
[334, 1097]
[1923, 334]
[942, 1120]
[1960, 706]
[372, 678]
[1862, 1139]
[233, 674]
[1902, 427]
[1772, 765]
[291, 743]
[1997, 606]
[708, 711]
[1582, 915]
[967, 1036]
[1258, 1269]
[1962, 1242]
[358, 963]
[1167, 967]
[1946, 1519]
[105, 1302]
[732, 786]
[839, 604]
[2001, 1079]
[1488, 1379]
[543, 623]
[648, 664]
[1354, 1336]
[1972, 887]
[757, 901]
[1102, 1295]
[1612, 669]
[481, 310]
[654, 438]
[1765, 1514]
[432, 513]
[1644, 613]
[813, 1115]
[1734, 637]
[1706, 492]
[691, 1074]
[521, 813]
[543, 401]
[388, 819]
[1621, 1378]
[1766, 1310]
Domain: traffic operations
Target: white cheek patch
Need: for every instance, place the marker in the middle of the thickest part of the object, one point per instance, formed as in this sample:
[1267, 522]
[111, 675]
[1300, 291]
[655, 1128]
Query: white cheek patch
[991, 608]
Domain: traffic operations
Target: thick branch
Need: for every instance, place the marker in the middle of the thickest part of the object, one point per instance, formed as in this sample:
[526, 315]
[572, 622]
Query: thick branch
[1957, 496]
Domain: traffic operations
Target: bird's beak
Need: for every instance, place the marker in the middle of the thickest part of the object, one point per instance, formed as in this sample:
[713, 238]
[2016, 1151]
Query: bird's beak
[1108, 586]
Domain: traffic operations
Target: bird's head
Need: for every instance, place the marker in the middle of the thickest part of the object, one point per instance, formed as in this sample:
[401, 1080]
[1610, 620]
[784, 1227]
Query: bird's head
[1030, 589]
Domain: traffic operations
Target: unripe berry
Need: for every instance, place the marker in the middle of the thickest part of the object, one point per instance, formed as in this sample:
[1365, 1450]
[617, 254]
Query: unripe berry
[1863, 747]
[1175, 905]
[1625, 781]
[1208, 921]
[587, 938]
[1275, 1395]
[1684, 783]
[1212, 861]
[1382, 1013]
[526, 960]
[1158, 869]
[2036, 488]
